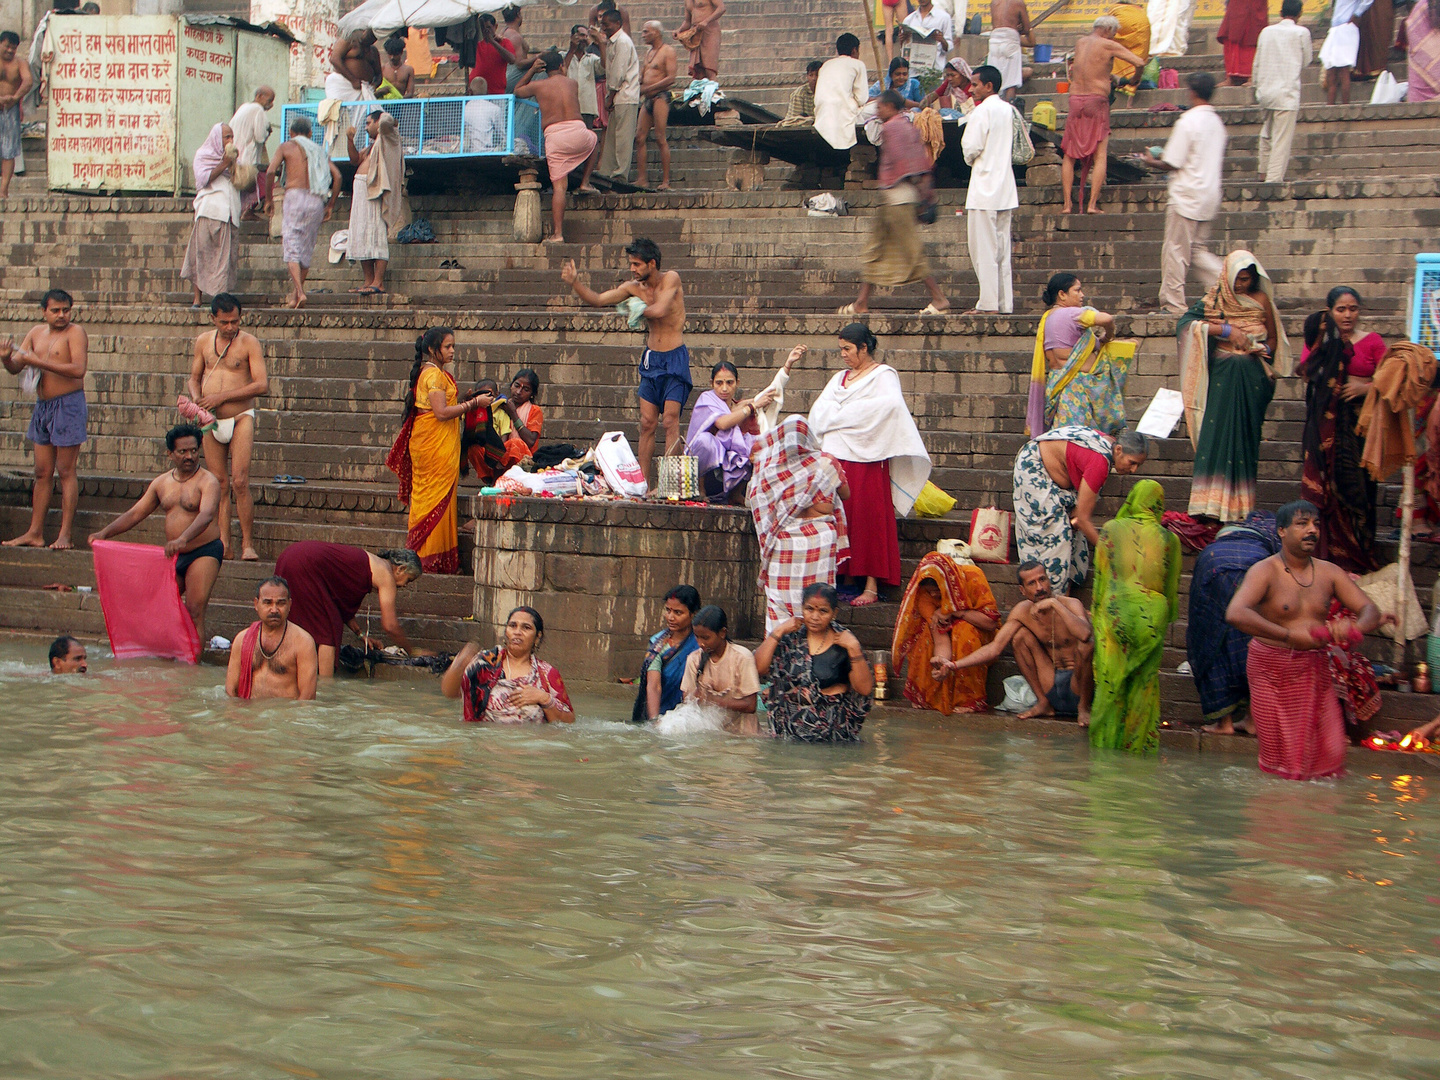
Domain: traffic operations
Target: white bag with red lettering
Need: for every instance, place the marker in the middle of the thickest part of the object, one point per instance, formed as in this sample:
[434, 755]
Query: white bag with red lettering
[990, 534]
[618, 465]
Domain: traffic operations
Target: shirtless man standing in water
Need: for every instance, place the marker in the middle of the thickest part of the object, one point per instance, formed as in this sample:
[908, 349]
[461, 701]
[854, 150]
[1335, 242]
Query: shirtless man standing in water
[59, 351]
[190, 497]
[226, 375]
[665, 382]
[1054, 645]
[281, 655]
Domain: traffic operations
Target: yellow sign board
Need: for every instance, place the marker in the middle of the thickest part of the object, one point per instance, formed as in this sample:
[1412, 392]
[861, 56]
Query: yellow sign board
[1078, 13]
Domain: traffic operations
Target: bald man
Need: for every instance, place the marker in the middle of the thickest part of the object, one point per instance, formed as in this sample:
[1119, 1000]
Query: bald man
[252, 131]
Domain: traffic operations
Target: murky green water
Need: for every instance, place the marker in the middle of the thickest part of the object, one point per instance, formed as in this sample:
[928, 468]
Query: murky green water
[364, 887]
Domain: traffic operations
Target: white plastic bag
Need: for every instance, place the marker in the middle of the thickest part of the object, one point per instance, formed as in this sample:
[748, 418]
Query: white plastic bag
[1387, 91]
[619, 467]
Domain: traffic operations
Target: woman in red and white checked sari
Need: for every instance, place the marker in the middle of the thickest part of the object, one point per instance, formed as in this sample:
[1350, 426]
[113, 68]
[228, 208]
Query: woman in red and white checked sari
[795, 498]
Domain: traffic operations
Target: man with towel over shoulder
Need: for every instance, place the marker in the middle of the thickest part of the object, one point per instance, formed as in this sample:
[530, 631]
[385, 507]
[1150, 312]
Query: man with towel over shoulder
[273, 658]
[1009, 31]
[569, 142]
[311, 184]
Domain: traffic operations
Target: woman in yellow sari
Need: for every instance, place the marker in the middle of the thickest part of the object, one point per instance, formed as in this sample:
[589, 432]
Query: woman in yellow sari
[948, 612]
[426, 454]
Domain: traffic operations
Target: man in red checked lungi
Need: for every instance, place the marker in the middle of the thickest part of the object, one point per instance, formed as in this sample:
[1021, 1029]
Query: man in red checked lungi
[1284, 605]
[1087, 127]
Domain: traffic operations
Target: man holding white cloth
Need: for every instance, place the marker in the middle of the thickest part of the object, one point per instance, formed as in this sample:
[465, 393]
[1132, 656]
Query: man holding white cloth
[990, 200]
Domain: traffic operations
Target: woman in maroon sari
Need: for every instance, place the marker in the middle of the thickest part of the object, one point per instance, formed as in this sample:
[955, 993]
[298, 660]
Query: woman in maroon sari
[1338, 363]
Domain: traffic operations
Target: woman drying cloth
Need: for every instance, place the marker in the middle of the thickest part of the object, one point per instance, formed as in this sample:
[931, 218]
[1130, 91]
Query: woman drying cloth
[1232, 345]
[948, 612]
[796, 499]
[1070, 383]
[1137, 586]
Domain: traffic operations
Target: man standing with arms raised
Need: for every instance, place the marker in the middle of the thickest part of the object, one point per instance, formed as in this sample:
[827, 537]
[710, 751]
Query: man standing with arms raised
[273, 658]
[190, 497]
[665, 381]
[1087, 128]
[568, 141]
[51, 362]
[1284, 605]
[991, 198]
[657, 75]
[227, 374]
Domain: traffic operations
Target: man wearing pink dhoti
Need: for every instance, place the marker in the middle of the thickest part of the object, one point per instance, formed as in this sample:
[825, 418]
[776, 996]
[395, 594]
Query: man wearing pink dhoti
[569, 142]
[1284, 604]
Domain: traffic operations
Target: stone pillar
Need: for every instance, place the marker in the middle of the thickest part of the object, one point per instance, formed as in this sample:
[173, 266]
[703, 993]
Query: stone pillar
[861, 158]
[529, 226]
[747, 171]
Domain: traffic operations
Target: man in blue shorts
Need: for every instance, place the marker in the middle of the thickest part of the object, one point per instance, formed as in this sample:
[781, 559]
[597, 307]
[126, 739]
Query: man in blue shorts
[657, 297]
[51, 363]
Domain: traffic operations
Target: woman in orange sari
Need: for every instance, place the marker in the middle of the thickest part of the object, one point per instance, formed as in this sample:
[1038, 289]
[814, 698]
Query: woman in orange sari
[948, 612]
[426, 454]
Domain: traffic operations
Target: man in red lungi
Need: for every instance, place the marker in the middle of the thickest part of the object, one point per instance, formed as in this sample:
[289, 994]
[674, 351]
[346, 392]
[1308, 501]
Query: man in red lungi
[1284, 605]
[1087, 127]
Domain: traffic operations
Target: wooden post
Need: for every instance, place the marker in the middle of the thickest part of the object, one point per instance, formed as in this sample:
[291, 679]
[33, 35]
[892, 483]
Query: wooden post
[870, 34]
[1402, 570]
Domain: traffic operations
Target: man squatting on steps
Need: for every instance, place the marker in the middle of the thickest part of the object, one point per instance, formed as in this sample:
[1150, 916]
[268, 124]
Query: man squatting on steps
[51, 363]
[227, 374]
[659, 299]
[190, 497]
[1054, 647]
[273, 658]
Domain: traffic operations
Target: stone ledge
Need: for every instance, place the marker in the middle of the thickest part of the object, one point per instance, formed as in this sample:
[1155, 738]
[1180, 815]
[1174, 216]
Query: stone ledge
[627, 514]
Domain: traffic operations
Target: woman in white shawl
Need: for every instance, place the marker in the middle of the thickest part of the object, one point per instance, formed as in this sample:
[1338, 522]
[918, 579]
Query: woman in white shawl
[861, 419]
[377, 198]
[212, 255]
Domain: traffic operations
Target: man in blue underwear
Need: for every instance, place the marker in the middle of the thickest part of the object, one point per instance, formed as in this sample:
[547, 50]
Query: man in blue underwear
[658, 298]
[190, 497]
[227, 374]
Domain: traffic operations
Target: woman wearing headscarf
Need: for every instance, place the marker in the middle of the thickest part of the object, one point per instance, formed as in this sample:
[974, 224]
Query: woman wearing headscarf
[1338, 364]
[1137, 587]
[377, 200]
[1216, 650]
[797, 499]
[213, 253]
[1069, 383]
[1232, 345]
[948, 612]
[861, 418]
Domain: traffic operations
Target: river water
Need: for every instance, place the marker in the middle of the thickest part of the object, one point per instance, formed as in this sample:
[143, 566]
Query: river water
[365, 887]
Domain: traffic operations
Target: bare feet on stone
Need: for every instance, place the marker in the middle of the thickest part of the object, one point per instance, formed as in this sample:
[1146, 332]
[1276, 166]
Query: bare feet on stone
[27, 540]
[62, 543]
[1039, 710]
[1084, 718]
[248, 554]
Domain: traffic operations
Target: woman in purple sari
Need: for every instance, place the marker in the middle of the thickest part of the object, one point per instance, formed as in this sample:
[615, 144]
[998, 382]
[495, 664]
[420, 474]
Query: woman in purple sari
[721, 433]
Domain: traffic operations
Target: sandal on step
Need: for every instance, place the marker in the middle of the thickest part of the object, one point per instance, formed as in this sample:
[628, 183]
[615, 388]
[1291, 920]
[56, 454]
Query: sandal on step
[931, 309]
[848, 309]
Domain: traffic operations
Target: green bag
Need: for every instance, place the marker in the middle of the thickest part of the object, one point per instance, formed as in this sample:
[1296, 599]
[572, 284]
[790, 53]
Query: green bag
[1150, 74]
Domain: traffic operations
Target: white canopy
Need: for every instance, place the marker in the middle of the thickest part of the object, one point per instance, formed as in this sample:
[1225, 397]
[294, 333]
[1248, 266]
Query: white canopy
[382, 16]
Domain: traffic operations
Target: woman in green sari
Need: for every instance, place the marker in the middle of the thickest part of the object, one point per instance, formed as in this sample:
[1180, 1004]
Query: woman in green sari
[1077, 375]
[1137, 586]
[1232, 345]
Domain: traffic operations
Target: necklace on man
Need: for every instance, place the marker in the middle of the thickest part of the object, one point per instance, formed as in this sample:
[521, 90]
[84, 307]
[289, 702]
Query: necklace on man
[216, 345]
[1297, 581]
[271, 654]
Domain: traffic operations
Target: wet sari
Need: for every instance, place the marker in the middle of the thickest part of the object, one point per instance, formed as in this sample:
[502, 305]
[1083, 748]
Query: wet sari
[962, 588]
[1137, 585]
[672, 673]
[426, 458]
[1335, 480]
[797, 708]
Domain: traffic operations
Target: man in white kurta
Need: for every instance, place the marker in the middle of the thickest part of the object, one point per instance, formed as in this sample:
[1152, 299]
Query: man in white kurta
[990, 200]
[840, 92]
[1282, 54]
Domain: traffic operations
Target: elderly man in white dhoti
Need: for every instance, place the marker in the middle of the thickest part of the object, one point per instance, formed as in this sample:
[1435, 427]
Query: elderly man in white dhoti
[212, 255]
[252, 131]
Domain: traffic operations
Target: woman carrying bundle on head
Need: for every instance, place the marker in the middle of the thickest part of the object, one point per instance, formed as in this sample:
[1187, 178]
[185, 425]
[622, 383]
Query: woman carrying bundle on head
[426, 453]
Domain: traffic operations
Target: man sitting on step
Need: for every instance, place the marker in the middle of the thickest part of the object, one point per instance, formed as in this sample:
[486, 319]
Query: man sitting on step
[273, 658]
[1053, 644]
[190, 497]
